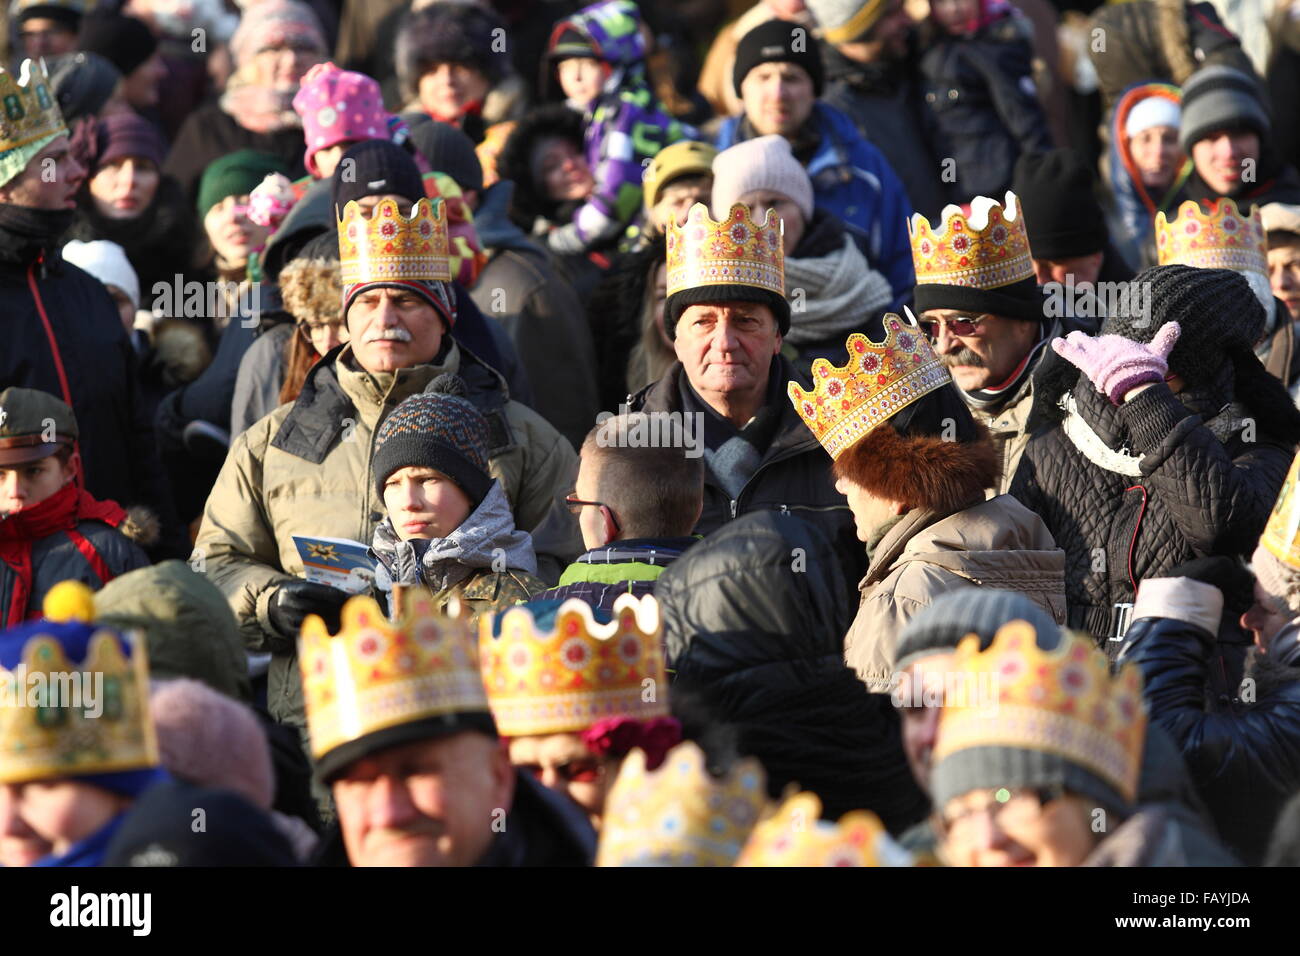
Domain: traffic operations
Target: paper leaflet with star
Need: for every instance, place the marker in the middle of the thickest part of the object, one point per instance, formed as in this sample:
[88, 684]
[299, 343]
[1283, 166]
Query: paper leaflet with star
[338, 562]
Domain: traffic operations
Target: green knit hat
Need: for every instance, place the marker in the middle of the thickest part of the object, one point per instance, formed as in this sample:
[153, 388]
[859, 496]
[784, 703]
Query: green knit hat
[236, 174]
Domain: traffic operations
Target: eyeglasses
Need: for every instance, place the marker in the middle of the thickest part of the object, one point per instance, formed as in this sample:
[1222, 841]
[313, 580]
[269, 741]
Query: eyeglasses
[574, 771]
[1004, 806]
[576, 505]
[959, 325]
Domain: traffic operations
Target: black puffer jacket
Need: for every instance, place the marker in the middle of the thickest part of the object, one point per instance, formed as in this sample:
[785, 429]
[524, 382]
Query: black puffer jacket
[754, 626]
[793, 476]
[1245, 762]
[1194, 493]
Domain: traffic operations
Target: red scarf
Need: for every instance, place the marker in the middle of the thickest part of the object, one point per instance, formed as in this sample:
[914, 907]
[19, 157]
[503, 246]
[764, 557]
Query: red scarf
[60, 512]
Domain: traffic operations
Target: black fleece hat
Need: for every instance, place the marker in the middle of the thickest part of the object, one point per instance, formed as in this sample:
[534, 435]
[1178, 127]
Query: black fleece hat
[1062, 215]
[376, 167]
[124, 41]
[447, 150]
[778, 41]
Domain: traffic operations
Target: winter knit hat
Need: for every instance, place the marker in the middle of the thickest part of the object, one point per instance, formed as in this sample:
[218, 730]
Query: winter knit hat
[940, 627]
[764, 162]
[67, 12]
[779, 41]
[844, 21]
[337, 106]
[451, 33]
[446, 149]
[124, 41]
[1062, 215]
[1219, 315]
[1217, 98]
[107, 262]
[376, 167]
[125, 135]
[1150, 112]
[235, 174]
[83, 82]
[441, 429]
[209, 739]
[276, 23]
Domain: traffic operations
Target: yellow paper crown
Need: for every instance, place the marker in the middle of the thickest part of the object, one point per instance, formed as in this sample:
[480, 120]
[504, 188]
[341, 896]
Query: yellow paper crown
[987, 250]
[1282, 533]
[59, 718]
[391, 247]
[679, 814]
[1219, 239]
[879, 380]
[29, 111]
[736, 251]
[374, 674]
[579, 672]
[795, 835]
[1062, 701]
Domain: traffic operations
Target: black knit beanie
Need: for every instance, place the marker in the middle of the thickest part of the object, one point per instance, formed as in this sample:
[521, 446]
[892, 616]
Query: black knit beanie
[83, 82]
[376, 167]
[678, 302]
[778, 41]
[447, 150]
[1219, 315]
[124, 41]
[969, 610]
[439, 428]
[1062, 215]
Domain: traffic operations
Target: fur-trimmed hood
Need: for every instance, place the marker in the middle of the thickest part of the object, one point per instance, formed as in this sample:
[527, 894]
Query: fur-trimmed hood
[141, 525]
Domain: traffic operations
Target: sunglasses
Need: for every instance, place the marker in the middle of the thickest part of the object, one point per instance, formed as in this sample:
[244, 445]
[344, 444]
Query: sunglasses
[575, 771]
[959, 326]
[576, 505]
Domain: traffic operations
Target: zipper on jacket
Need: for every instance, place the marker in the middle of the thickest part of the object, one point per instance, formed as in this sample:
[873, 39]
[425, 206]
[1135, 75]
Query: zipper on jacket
[733, 507]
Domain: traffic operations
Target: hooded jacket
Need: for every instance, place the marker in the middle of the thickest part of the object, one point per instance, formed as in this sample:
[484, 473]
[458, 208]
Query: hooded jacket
[996, 543]
[627, 566]
[793, 475]
[851, 178]
[520, 289]
[757, 647]
[305, 469]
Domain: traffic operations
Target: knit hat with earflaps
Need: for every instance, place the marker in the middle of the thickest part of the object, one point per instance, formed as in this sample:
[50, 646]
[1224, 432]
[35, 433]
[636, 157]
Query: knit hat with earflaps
[441, 429]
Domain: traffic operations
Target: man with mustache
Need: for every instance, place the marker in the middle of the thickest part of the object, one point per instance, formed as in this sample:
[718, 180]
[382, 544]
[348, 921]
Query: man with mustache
[988, 319]
[305, 469]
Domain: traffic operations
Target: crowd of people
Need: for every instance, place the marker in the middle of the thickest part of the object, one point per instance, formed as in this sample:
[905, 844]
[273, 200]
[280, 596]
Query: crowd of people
[451, 433]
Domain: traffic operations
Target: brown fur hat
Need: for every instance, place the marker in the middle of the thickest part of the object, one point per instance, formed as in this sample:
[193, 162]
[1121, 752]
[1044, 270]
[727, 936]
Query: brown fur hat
[312, 289]
[141, 526]
[922, 471]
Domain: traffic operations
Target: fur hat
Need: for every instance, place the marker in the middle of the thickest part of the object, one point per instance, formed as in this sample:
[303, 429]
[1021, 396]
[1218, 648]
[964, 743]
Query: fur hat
[450, 33]
[312, 289]
[209, 739]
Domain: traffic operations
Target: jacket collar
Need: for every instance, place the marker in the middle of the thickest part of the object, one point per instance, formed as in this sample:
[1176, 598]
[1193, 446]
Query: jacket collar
[376, 393]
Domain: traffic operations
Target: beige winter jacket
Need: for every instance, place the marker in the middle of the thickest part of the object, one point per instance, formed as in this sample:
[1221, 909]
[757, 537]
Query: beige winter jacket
[998, 543]
[1008, 429]
[265, 495]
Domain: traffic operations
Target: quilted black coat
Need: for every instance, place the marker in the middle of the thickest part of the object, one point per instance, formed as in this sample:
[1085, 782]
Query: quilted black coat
[1194, 495]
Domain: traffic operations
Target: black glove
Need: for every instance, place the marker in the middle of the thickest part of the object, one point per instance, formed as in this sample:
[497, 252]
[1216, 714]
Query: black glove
[1227, 574]
[294, 600]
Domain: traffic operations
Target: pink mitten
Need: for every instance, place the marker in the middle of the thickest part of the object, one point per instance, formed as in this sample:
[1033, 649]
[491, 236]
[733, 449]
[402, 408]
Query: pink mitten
[271, 200]
[1115, 364]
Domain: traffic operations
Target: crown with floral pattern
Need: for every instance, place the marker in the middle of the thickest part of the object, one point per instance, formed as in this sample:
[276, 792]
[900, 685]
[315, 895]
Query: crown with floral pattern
[374, 674]
[566, 678]
[880, 379]
[1062, 701]
[680, 814]
[74, 695]
[986, 250]
[1281, 535]
[736, 251]
[1221, 238]
[29, 116]
[392, 248]
[795, 835]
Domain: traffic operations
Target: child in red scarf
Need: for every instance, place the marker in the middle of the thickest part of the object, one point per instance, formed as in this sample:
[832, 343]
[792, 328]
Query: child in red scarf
[51, 530]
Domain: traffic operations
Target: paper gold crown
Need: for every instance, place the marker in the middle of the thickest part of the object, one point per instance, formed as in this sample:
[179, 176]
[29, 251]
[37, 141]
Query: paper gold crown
[565, 679]
[374, 674]
[879, 380]
[29, 110]
[1219, 239]
[393, 248]
[1282, 533]
[795, 835]
[1062, 701]
[61, 717]
[736, 251]
[987, 250]
[679, 814]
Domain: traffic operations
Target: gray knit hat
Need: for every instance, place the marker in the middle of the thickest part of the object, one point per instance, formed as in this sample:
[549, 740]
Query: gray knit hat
[1220, 97]
[83, 82]
[969, 610]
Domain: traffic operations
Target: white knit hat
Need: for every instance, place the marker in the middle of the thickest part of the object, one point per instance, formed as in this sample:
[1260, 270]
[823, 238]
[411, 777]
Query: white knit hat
[107, 262]
[764, 162]
[1152, 111]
